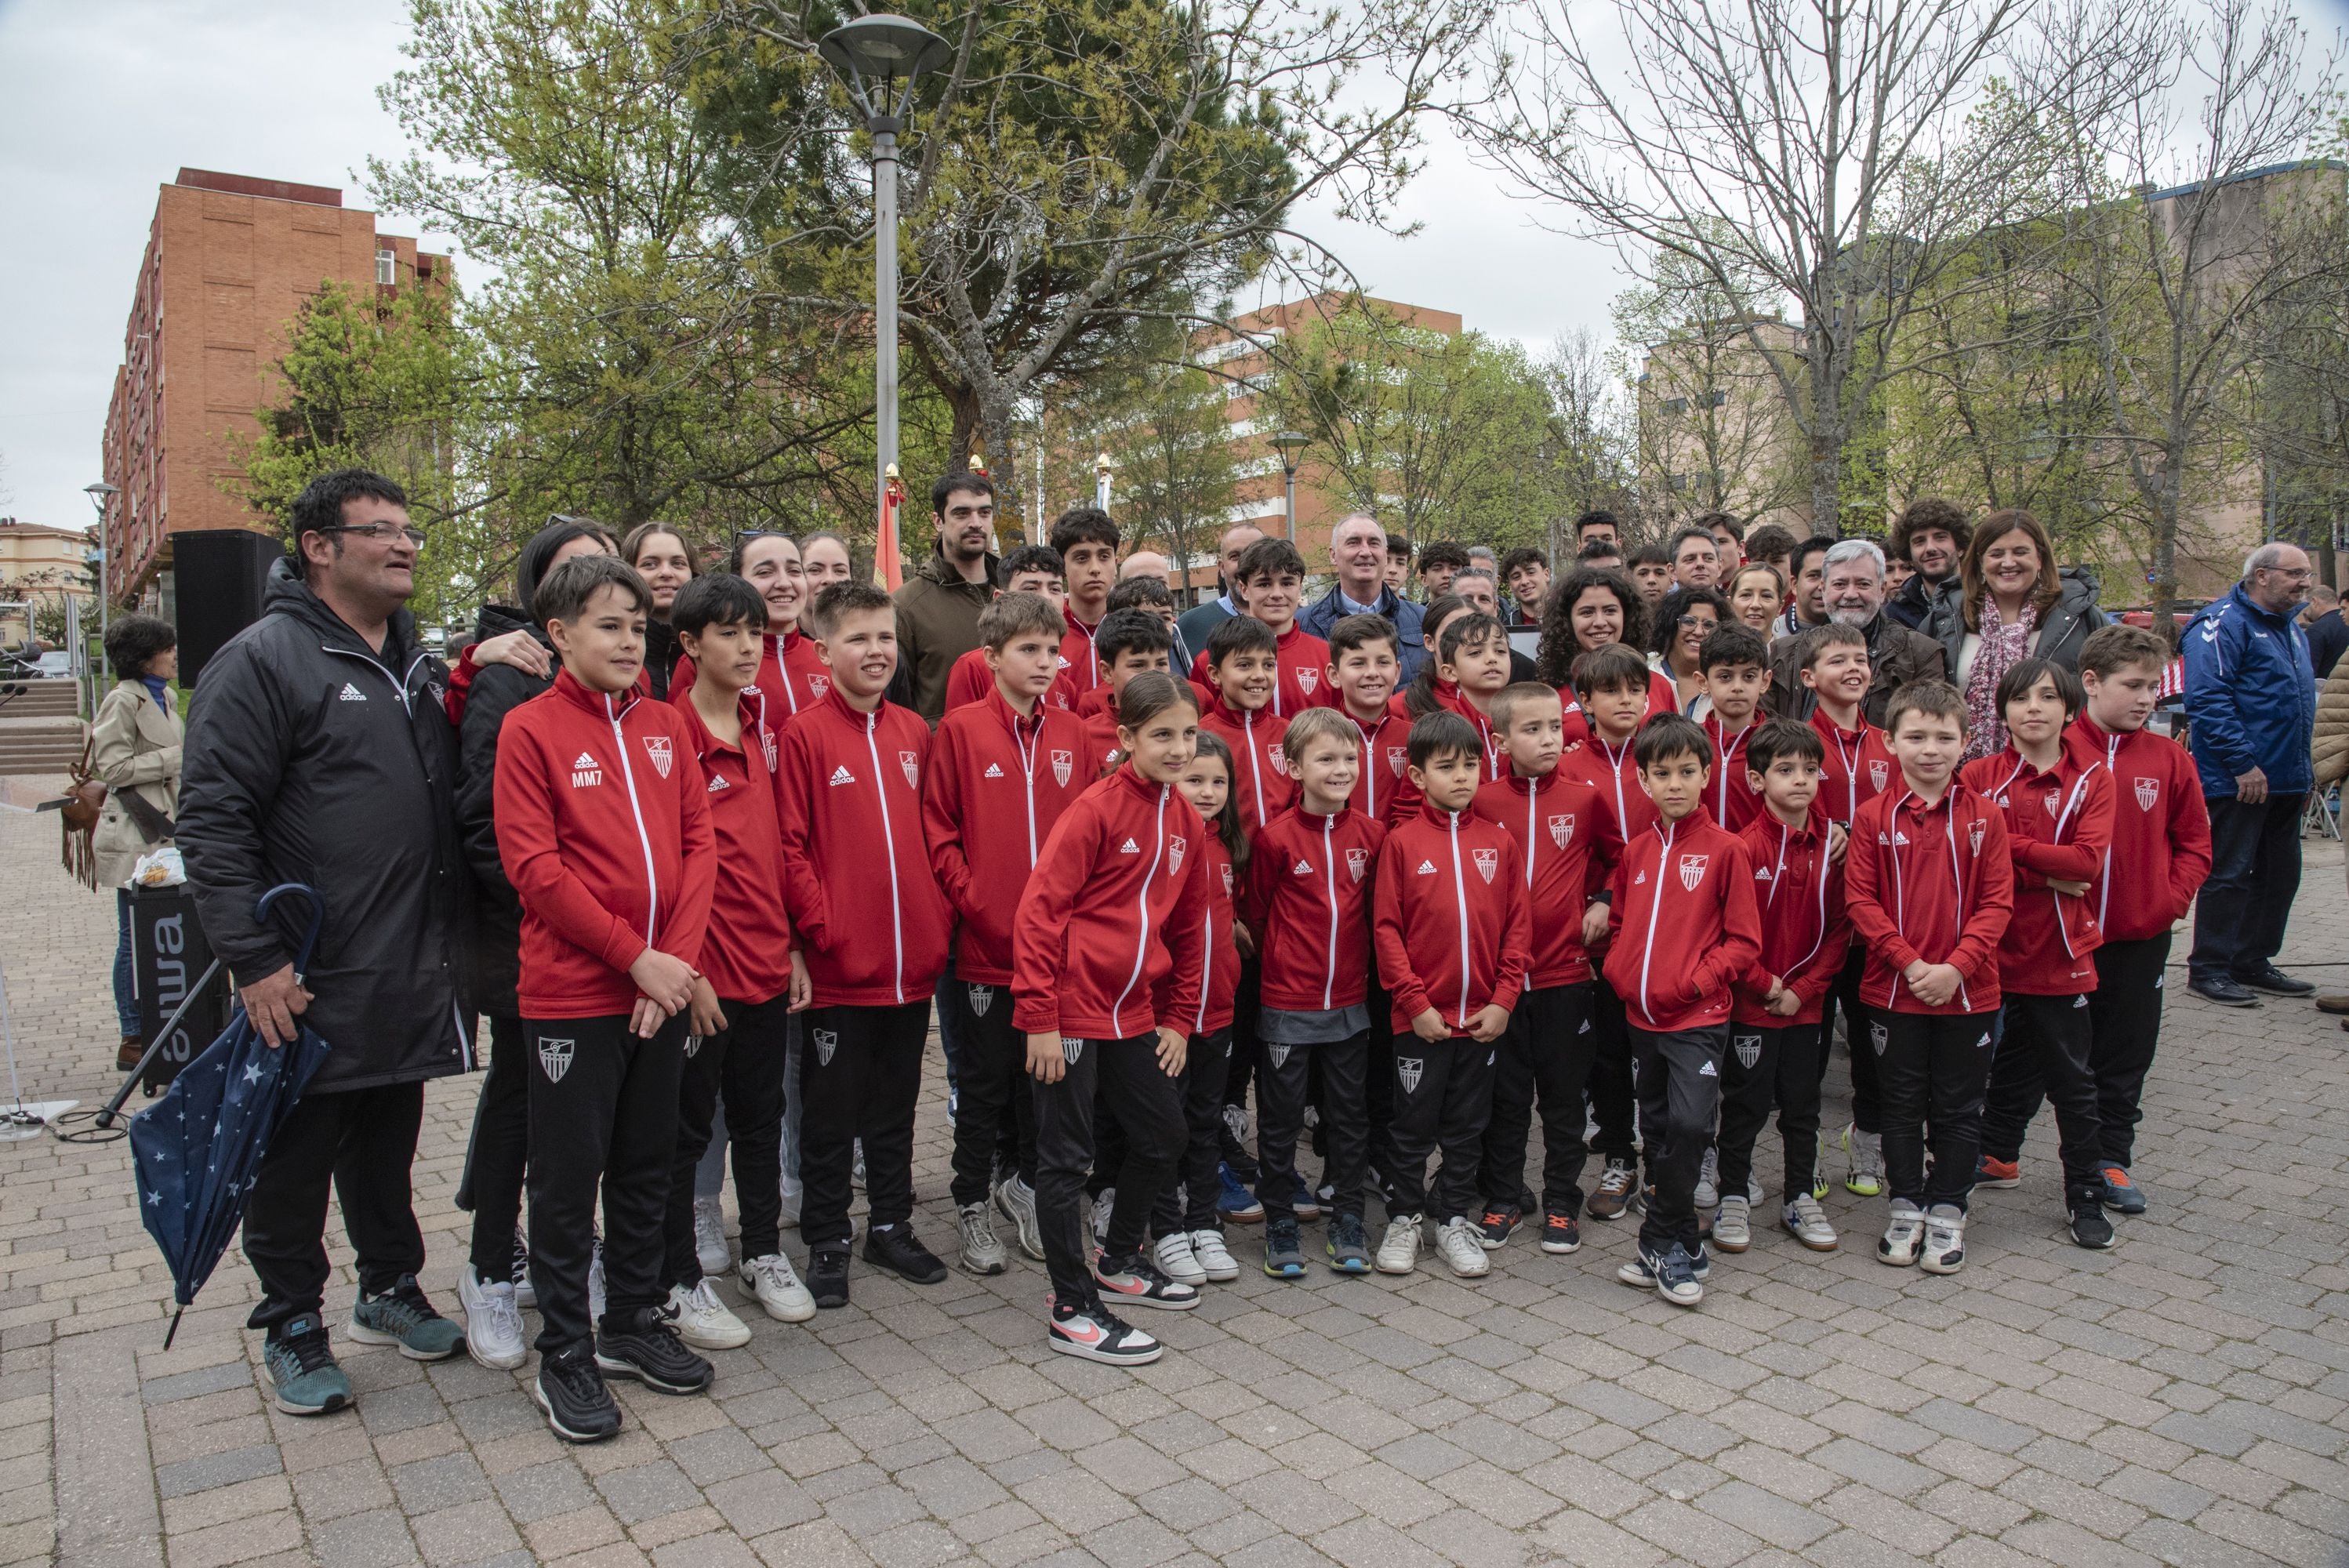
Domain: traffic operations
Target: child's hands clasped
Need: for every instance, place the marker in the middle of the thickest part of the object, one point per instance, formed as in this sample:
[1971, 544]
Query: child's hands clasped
[1488, 1024]
[708, 1016]
[665, 983]
[1934, 983]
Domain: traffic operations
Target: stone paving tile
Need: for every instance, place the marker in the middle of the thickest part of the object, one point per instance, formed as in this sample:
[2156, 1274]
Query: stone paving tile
[2181, 1400]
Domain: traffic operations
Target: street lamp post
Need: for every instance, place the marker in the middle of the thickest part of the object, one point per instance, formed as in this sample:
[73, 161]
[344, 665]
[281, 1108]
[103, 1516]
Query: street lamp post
[1289, 443]
[100, 494]
[889, 49]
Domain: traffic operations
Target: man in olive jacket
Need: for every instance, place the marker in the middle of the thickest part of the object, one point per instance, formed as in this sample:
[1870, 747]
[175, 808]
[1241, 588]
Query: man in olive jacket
[937, 609]
[319, 752]
[1853, 594]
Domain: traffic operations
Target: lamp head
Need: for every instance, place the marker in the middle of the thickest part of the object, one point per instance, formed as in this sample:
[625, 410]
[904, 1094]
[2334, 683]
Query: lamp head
[1289, 443]
[883, 45]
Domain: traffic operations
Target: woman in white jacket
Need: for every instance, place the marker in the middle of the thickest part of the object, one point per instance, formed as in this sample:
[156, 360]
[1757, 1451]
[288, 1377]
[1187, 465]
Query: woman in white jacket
[135, 750]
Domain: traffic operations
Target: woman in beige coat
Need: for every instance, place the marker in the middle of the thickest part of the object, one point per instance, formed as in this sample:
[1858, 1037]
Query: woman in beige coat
[134, 746]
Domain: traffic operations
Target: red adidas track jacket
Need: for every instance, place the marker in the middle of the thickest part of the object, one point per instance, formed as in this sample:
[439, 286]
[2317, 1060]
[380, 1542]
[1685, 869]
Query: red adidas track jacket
[746, 956]
[1309, 904]
[1682, 924]
[1931, 883]
[1264, 788]
[2058, 824]
[998, 785]
[1451, 923]
[1562, 827]
[2160, 852]
[1805, 934]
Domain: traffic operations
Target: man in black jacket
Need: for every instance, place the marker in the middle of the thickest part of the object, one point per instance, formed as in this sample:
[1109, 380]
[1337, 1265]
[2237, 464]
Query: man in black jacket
[318, 751]
[1930, 534]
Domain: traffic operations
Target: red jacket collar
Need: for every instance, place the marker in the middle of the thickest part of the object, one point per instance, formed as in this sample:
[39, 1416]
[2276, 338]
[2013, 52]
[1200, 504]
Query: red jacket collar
[855, 716]
[603, 704]
[1008, 716]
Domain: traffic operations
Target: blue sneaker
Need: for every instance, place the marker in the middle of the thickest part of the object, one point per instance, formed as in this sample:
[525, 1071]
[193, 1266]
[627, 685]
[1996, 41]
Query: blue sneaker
[401, 1317]
[303, 1378]
[1237, 1205]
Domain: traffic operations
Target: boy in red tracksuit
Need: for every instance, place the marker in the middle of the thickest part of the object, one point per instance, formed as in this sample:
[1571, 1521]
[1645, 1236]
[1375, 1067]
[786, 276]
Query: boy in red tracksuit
[2059, 823]
[1363, 663]
[2159, 855]
[1030, 569]
[1308, 901]
[1611, 684]
[1241, 667]
[1928, 882]
[1774, 1035]
[1559, 825]
[1682, 928]
[1272, 574]
[1735, 665]
[1127, 643]
[751, 979]
[1107, 950]
[1002, 772]
[874, 926]
[1455, 939]
[604, 833]
[1086, 539]
[1472, 659]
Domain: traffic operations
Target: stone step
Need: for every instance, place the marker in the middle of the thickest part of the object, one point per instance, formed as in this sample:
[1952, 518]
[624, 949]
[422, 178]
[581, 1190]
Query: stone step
[40, 698]
[46, 745]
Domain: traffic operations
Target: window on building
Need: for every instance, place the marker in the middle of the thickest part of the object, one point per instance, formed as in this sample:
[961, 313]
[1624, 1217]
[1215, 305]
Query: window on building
[1716, 398]
[1675, 405]
[386, 268]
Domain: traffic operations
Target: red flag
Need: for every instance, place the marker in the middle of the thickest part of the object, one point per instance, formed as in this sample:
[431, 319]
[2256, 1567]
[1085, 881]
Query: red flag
[888, 569]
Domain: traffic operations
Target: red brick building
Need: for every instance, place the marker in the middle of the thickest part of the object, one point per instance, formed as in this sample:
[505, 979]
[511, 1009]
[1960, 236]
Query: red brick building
[230, 260]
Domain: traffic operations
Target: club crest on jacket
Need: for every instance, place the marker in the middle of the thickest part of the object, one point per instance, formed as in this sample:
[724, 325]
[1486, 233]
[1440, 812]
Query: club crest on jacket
[1063, 764]
[1974, 834]
[554, 1057]
[911, 763]
[2149, 791]
[1396, 757]
[1488, 862]
[1307, 680]
[1175, 845]
[1358, 861]
[1692, 870]
[1561, 829]
[657, 747]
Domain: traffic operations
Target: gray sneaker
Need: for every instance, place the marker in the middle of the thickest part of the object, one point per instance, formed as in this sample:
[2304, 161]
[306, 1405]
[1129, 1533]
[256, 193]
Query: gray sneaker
[304, 1379]
[402, 1316]
[982, 1252]
[1016, 1202]
[1732, 1228]
[1708, 1180]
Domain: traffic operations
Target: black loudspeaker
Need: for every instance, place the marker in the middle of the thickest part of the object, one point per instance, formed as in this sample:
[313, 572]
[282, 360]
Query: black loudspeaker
[168, 955]
[217, 574]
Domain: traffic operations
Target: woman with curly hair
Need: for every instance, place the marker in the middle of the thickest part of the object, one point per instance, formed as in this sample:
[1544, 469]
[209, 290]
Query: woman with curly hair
[1588, 610]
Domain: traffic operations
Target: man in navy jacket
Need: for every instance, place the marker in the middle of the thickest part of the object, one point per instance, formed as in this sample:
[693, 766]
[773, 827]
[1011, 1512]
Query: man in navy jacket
[2250, 697]
[1358, 550]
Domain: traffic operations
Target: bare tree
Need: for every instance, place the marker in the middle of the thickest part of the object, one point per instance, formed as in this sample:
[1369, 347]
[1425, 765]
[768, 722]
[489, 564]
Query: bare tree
[1811, 154]
[1589, 434]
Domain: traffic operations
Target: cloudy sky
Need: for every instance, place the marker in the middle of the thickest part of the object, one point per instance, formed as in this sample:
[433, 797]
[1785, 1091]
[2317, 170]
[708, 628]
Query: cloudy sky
[103, 100]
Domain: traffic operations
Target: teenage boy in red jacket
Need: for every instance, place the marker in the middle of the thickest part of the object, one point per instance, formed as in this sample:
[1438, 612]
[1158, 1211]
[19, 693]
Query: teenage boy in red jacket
[1735, 665]
[1454, 939]
[1928, 882]
[1272, 574]
[1309, 900]
[1774, 1035]
[1030, 569]
[1085, 538]
[1002, 770]
[1127, 644]
[605, 833]
[1611, 684]
[1558, 824]
[1107, 947]
[873, 925]
[1859, 766]
[751, 980]
[1363, 663]
[2160, 853]
[1682, 928]
[2059, 822]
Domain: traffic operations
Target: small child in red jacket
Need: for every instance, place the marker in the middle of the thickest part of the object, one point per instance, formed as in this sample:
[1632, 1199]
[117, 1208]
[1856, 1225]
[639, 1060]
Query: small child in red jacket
[1127, 644]
[1308, 901]
[1108, 947]
[603, 831]
[1001, 771]
[2160, 854]
[1241, 669]
[874, 927]
[1735, 663]
[1364, 654]
[1929, 884]
[1682, 928]
[2059, 823]
[1454, 939]
[1774, 1037]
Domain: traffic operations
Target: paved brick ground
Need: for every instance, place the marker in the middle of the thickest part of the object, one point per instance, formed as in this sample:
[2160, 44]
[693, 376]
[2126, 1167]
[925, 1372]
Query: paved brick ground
[2184, 1399]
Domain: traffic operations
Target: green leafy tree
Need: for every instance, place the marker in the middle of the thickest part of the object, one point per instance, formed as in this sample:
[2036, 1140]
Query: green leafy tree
[1161, 425]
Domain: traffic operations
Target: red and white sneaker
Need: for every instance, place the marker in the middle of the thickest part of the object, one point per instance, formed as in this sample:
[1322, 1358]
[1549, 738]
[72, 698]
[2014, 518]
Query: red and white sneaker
[1134, 1281]
[1093, 1333]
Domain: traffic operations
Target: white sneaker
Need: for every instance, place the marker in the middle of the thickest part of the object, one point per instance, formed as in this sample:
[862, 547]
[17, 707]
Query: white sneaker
[1399, 1252]
[982, 1251]
[493, 1322]
[1732, 1228]
[709, 1236]
[1461, 1246]
[595, 1285]
[1708, 1180]
[1902, 1237]
[1805, 1220]
[1178, 1262]
[1215, 1259]
[1945, 1240]
[1016, 1202]
[776, 1284]
[1101, 1207]
[703, 1320]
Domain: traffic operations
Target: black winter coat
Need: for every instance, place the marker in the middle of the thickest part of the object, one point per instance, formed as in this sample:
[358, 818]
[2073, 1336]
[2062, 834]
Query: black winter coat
[492, 965]
[312, 757]
[2061, 633]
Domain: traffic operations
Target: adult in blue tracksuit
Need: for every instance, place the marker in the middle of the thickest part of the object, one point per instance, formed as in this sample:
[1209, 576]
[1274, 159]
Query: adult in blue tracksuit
[2251, 696]
[1357, 550]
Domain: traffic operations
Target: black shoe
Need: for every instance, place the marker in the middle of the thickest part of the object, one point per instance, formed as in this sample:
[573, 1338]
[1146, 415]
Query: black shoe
[650, 1351]
[2090, 1229]
[570, 1388]
[892, 1247]
[827, 1277]
[1497, 1225]
[2267, 977]
[2223, 991]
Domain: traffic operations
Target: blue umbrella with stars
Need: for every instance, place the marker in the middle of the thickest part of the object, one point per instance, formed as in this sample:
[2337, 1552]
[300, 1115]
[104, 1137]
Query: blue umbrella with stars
[199, 1148]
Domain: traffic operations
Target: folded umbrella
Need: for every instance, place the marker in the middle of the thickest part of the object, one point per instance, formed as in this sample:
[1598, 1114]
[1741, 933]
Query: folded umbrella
[198, 1149]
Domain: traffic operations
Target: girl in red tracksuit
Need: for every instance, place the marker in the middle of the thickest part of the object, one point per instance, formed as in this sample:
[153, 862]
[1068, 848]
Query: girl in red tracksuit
[1682, 928]
[2059, 822]
[874, 927]
[604, 833]
[1929, 884]
[1455, 938]
[1108, 946]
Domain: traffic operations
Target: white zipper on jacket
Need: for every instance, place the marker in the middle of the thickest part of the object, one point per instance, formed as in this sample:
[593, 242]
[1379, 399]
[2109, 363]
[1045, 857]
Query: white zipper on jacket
[1369, 779]
[1728, 747]
[1615, 769]
[1958, 883]
[1330, 886]
[1256, 764]
[785, 670]
[643, 840]
[889, 845]
[1533, 824]
[1819, 934]
[1142, 907]
[398, 682]
[1850, 767]
[1460, 895]
[1665, 832]
[1900, 887]
[1027, 766]
[2113, 767]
